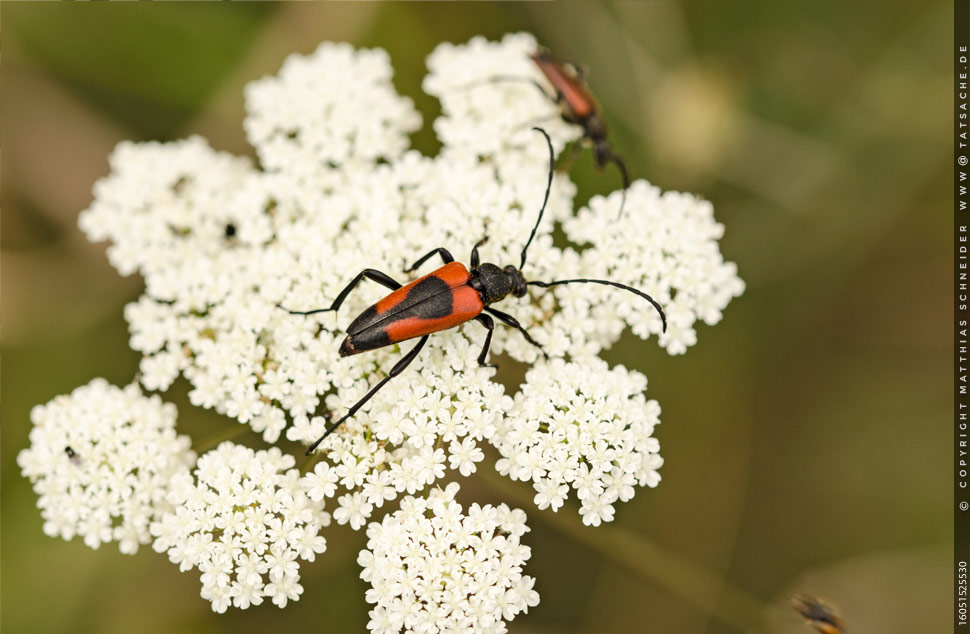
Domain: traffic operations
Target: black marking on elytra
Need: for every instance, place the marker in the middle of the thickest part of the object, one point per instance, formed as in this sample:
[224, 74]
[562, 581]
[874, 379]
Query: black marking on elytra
[364, 320]
[429, 299]
[367, 339]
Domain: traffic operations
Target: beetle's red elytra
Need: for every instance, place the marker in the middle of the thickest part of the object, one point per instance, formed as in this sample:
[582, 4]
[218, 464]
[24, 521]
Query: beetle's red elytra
[438, 301]
[443, 299]
[574, 93]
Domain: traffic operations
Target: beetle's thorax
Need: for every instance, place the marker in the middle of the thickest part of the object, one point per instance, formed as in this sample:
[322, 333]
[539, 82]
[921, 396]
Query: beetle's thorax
[494, 283]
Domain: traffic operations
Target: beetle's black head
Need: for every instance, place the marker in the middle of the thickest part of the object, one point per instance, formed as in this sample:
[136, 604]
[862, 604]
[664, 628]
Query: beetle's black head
[494, 284]
[519, 286]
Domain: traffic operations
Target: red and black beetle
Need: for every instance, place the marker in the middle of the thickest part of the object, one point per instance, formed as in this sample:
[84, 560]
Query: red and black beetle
[442, 299]
[577, 105]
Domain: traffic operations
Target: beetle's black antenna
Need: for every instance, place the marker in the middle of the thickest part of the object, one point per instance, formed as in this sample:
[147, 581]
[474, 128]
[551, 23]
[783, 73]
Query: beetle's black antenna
[663, 317]
[552, 160]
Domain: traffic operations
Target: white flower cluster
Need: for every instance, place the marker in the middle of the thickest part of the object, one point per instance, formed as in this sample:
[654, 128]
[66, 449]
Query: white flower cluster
[326, 206]
[669, 248]
[101, 460]
[585, 426]
[242, 521]
[223, 245]
[435, 568]
[334, 106]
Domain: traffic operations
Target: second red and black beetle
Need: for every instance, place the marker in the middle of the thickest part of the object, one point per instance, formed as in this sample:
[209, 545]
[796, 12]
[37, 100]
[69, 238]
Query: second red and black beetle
[442, 299]
[577, 105]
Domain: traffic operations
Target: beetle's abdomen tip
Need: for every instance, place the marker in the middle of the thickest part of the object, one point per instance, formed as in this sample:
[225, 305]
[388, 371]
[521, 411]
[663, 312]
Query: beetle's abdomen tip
[347, 348]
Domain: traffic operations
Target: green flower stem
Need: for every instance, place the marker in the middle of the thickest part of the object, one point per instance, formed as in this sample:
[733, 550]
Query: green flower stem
[645, 559]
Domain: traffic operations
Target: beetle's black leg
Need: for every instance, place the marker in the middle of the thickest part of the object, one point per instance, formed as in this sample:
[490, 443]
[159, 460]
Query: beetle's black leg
[443, 252]
[474, 257]
[486, 321]
[397, 369]
[509, 320]
[372, 274]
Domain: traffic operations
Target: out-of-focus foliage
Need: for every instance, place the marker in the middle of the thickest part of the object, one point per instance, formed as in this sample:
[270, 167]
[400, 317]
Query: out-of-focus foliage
[803, 437]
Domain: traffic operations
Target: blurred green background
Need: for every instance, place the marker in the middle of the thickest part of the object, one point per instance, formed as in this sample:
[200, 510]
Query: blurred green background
[804, 436]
